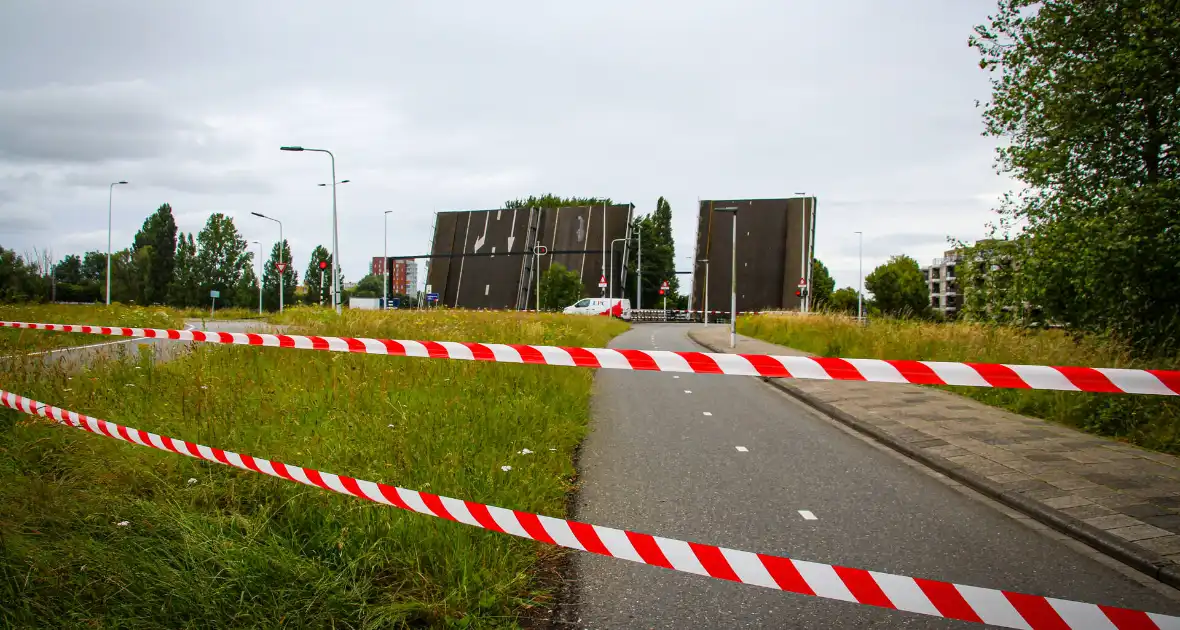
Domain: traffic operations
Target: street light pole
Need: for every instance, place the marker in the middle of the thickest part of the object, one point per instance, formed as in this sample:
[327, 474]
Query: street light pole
[110, 200]
[385, 263]
[860, 283]
[804, 275]
[335, 239]
[610, 292]
[706, 300]
[639, 269]
[283, 273]
[261, 271]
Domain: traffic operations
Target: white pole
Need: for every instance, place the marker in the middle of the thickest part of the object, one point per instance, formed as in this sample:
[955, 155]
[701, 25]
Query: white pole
[335, 241]
[706, 308]
[261, 272]
[283, 273]
[110, 200]
[802, 253]
[537, 256]
[604, 245]
[639, 270]
[385, 264]
[860, 289]
[733, 288]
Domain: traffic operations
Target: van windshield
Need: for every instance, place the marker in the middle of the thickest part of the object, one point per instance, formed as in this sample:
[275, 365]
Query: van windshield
[582, 304]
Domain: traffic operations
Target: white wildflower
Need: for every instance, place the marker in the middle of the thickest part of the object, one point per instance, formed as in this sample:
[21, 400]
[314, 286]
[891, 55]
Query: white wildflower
[506, 468]
[525, 452]
[123, 523]
[192, 480]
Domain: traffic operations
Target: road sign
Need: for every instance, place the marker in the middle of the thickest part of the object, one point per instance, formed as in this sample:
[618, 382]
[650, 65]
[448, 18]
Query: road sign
[663, 287]
[215, 294]
[802, 282]
[428, 288]
[431, 297]
[602, 282]
[281, 267]
[541, 250]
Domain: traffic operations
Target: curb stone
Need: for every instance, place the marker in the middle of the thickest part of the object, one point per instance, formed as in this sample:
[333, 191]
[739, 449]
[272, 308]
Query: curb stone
[1148, 562]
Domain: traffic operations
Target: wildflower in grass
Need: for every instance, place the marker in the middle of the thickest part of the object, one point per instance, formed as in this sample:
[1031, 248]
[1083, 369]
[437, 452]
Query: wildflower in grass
[506, 468]
[525, 452]
[192, 480]
[122, 523]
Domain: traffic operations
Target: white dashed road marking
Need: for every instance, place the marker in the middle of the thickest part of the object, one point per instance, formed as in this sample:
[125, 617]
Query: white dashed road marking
[675, 377]
[742, 449]
[807, 515]
[708, 413]
[688, 391]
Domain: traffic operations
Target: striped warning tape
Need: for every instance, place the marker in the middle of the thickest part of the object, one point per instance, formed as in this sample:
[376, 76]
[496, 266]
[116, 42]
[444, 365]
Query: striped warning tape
[886, 590]
[1083, 379]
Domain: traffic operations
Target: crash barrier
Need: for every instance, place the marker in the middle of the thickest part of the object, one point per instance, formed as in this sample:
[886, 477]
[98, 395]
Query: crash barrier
[995, 375]
[886, 590]
[659, 315]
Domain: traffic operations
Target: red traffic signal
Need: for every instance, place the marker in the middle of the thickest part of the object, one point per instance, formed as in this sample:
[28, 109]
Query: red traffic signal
[661, 291]
[323, 264]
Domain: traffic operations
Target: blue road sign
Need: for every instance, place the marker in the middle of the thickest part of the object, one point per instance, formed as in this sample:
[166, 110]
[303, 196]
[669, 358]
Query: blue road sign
[431, 297]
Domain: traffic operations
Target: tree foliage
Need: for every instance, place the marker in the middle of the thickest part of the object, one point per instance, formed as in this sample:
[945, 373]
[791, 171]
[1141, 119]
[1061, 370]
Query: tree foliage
[186, 284]
[368, 286]
[899, 288]
[841, 301]
[1086, 97]
[659, 256]
[280, 252]
[221, 258]
[560, 287]
[316, 292]
[549, 200]
[159, 234]
[822, 284]
[19, 281]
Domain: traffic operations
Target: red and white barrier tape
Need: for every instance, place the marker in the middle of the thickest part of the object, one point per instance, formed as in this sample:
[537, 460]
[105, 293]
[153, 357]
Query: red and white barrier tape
[1083, 379]
[886, 590]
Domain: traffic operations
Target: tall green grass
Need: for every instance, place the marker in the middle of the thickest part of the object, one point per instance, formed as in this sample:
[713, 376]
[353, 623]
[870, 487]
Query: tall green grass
[1149, 421]
[17, 341]
[210, 546]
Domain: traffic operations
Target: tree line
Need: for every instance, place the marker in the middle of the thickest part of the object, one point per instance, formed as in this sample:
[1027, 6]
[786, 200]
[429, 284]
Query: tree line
[168, 267]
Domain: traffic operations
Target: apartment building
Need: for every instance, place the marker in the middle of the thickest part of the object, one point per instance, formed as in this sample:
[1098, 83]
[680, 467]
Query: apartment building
[403, 274]
[941, 279]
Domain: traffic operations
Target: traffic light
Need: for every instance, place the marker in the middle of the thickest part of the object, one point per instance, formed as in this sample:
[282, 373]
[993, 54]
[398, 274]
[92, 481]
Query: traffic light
[323, 264]
[801, 292]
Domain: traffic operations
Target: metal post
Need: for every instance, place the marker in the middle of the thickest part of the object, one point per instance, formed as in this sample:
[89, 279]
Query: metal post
[385, 264]
[261, 272]
[283, 273]
[537, 264]
[860, 283]
[110, 200]
[639, 270]
[706, 306]
[321, 287]
[609, 280]
[802, 251]
[733, 288]
[604, 245]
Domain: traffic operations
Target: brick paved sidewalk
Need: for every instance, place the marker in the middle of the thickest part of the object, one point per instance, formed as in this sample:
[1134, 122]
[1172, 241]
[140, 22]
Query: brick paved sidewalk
[1116, 497]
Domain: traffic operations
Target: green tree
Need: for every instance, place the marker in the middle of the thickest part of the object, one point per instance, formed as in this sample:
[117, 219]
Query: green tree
[221, 258]
[659, 256]
[822, 284]
[270, 278]
[842, 301]
[550, 200]
[899, 288]
[69, 270]
[94, 266]
[19, 280]
[368, 286]
[159, 233]
[560, 287]
[185, 285]
[1086, 99]
[316, 291]
[246, 291]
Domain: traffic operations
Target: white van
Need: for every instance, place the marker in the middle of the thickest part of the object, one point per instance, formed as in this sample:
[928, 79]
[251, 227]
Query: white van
[616, 307]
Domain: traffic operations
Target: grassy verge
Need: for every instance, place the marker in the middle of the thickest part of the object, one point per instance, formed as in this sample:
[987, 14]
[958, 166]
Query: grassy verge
[14, 341]
[1149, 421]
[224, 313]
[206, 545]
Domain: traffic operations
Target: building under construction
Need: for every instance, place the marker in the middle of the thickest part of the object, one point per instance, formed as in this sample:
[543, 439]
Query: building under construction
[484, 258]
[775, 247]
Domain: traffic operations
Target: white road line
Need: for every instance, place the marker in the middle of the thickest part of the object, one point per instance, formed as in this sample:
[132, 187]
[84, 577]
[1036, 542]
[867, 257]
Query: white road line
[742, 449]
[688, 391]
[675, 377]
[807, 515]
[707, 413]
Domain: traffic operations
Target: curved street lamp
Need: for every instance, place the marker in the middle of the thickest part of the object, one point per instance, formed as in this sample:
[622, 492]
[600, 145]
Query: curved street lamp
[110, 199]
[335, 239]
[281, 273]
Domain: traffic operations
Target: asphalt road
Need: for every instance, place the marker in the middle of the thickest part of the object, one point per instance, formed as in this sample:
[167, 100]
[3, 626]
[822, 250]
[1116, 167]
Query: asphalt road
[656, 463]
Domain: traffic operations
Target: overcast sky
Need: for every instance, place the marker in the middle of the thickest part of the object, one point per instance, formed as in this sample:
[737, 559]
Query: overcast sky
[461, 105]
